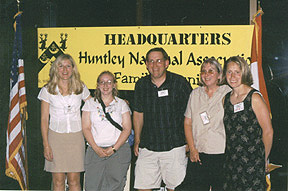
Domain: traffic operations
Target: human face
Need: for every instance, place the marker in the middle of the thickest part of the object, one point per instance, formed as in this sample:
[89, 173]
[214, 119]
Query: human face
[234, 75]
[156, 65]
[106, 84]
[65, 70]
[209, 75]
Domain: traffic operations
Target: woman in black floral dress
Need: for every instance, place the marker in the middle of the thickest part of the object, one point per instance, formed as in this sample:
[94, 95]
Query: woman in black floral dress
[249, 132]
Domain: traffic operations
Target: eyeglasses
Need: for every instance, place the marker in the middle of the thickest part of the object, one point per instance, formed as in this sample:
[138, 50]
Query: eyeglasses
[158, 61]
[109, 83]
[210, 71]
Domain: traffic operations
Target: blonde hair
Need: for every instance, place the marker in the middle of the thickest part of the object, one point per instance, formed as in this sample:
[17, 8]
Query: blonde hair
[75, 84]
[247, 78]
[213, 62]
[98, 92]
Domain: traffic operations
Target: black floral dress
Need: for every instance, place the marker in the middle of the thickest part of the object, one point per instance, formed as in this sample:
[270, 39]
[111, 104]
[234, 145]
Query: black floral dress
[245, 154]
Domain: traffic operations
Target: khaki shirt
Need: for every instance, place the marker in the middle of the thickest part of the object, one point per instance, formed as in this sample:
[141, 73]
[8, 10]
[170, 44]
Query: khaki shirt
[209, 138]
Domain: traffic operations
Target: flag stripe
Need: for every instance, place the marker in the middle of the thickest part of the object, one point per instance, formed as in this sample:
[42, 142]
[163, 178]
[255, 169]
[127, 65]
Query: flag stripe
[14, 101]
[16, 140]
[15, 121]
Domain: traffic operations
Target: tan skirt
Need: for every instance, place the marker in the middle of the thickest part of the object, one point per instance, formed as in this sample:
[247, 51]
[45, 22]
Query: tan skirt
[68, 152]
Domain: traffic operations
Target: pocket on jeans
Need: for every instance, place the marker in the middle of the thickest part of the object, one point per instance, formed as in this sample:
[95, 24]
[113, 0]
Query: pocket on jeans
[88, 156]
[182, 158]
[124, 154]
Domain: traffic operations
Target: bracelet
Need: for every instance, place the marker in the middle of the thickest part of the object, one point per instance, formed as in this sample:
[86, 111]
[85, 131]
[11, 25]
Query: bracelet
[114, 150]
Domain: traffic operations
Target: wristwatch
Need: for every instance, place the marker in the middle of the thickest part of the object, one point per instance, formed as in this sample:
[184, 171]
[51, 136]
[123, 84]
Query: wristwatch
[114, 150]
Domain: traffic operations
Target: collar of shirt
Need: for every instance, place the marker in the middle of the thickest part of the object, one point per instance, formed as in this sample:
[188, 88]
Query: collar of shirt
[164, 84]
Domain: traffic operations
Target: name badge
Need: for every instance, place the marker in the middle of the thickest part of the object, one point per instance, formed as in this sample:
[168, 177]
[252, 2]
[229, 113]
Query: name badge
[162, 93]
[69, 109]
[238, 107]
[204, 117]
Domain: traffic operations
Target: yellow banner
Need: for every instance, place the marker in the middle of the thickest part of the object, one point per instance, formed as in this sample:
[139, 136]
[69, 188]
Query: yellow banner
[122, 50]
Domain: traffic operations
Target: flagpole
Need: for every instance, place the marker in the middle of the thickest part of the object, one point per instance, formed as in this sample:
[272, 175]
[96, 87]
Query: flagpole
[258, 6]
[23, 121]
[24, 117]
[18, 5]
[253, 10]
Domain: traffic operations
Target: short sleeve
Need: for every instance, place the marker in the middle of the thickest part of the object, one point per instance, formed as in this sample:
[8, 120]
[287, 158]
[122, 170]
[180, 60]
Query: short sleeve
[89, 105]
[226, 89]
[138, 97]
[44, 95]
[186, 91]
[125, 107]
[188, 112]
[85, 92]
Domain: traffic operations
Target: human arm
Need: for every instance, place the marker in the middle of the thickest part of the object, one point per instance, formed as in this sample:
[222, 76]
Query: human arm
[138, 125]
[86, 127]
[263, 116]
[44, 130]
[194, 155]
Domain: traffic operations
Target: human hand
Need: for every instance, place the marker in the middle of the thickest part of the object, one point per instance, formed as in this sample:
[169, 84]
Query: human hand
[101, 152]
[48, 153]
[109, 151]
[136, 148]
[194, 156]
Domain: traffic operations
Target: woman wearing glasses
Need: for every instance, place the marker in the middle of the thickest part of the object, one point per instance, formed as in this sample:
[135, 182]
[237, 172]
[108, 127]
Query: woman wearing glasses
[204, 130]
[108, 154]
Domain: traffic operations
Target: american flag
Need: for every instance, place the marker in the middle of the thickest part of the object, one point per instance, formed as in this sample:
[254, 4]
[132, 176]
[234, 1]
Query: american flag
[16, 155]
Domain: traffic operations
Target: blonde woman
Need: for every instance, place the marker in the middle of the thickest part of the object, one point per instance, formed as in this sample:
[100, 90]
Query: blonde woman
[63, 140]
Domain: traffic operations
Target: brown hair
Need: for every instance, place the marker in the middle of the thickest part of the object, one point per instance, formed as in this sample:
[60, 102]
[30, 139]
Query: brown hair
[157, 49]
[98, 92]
[247, 78]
